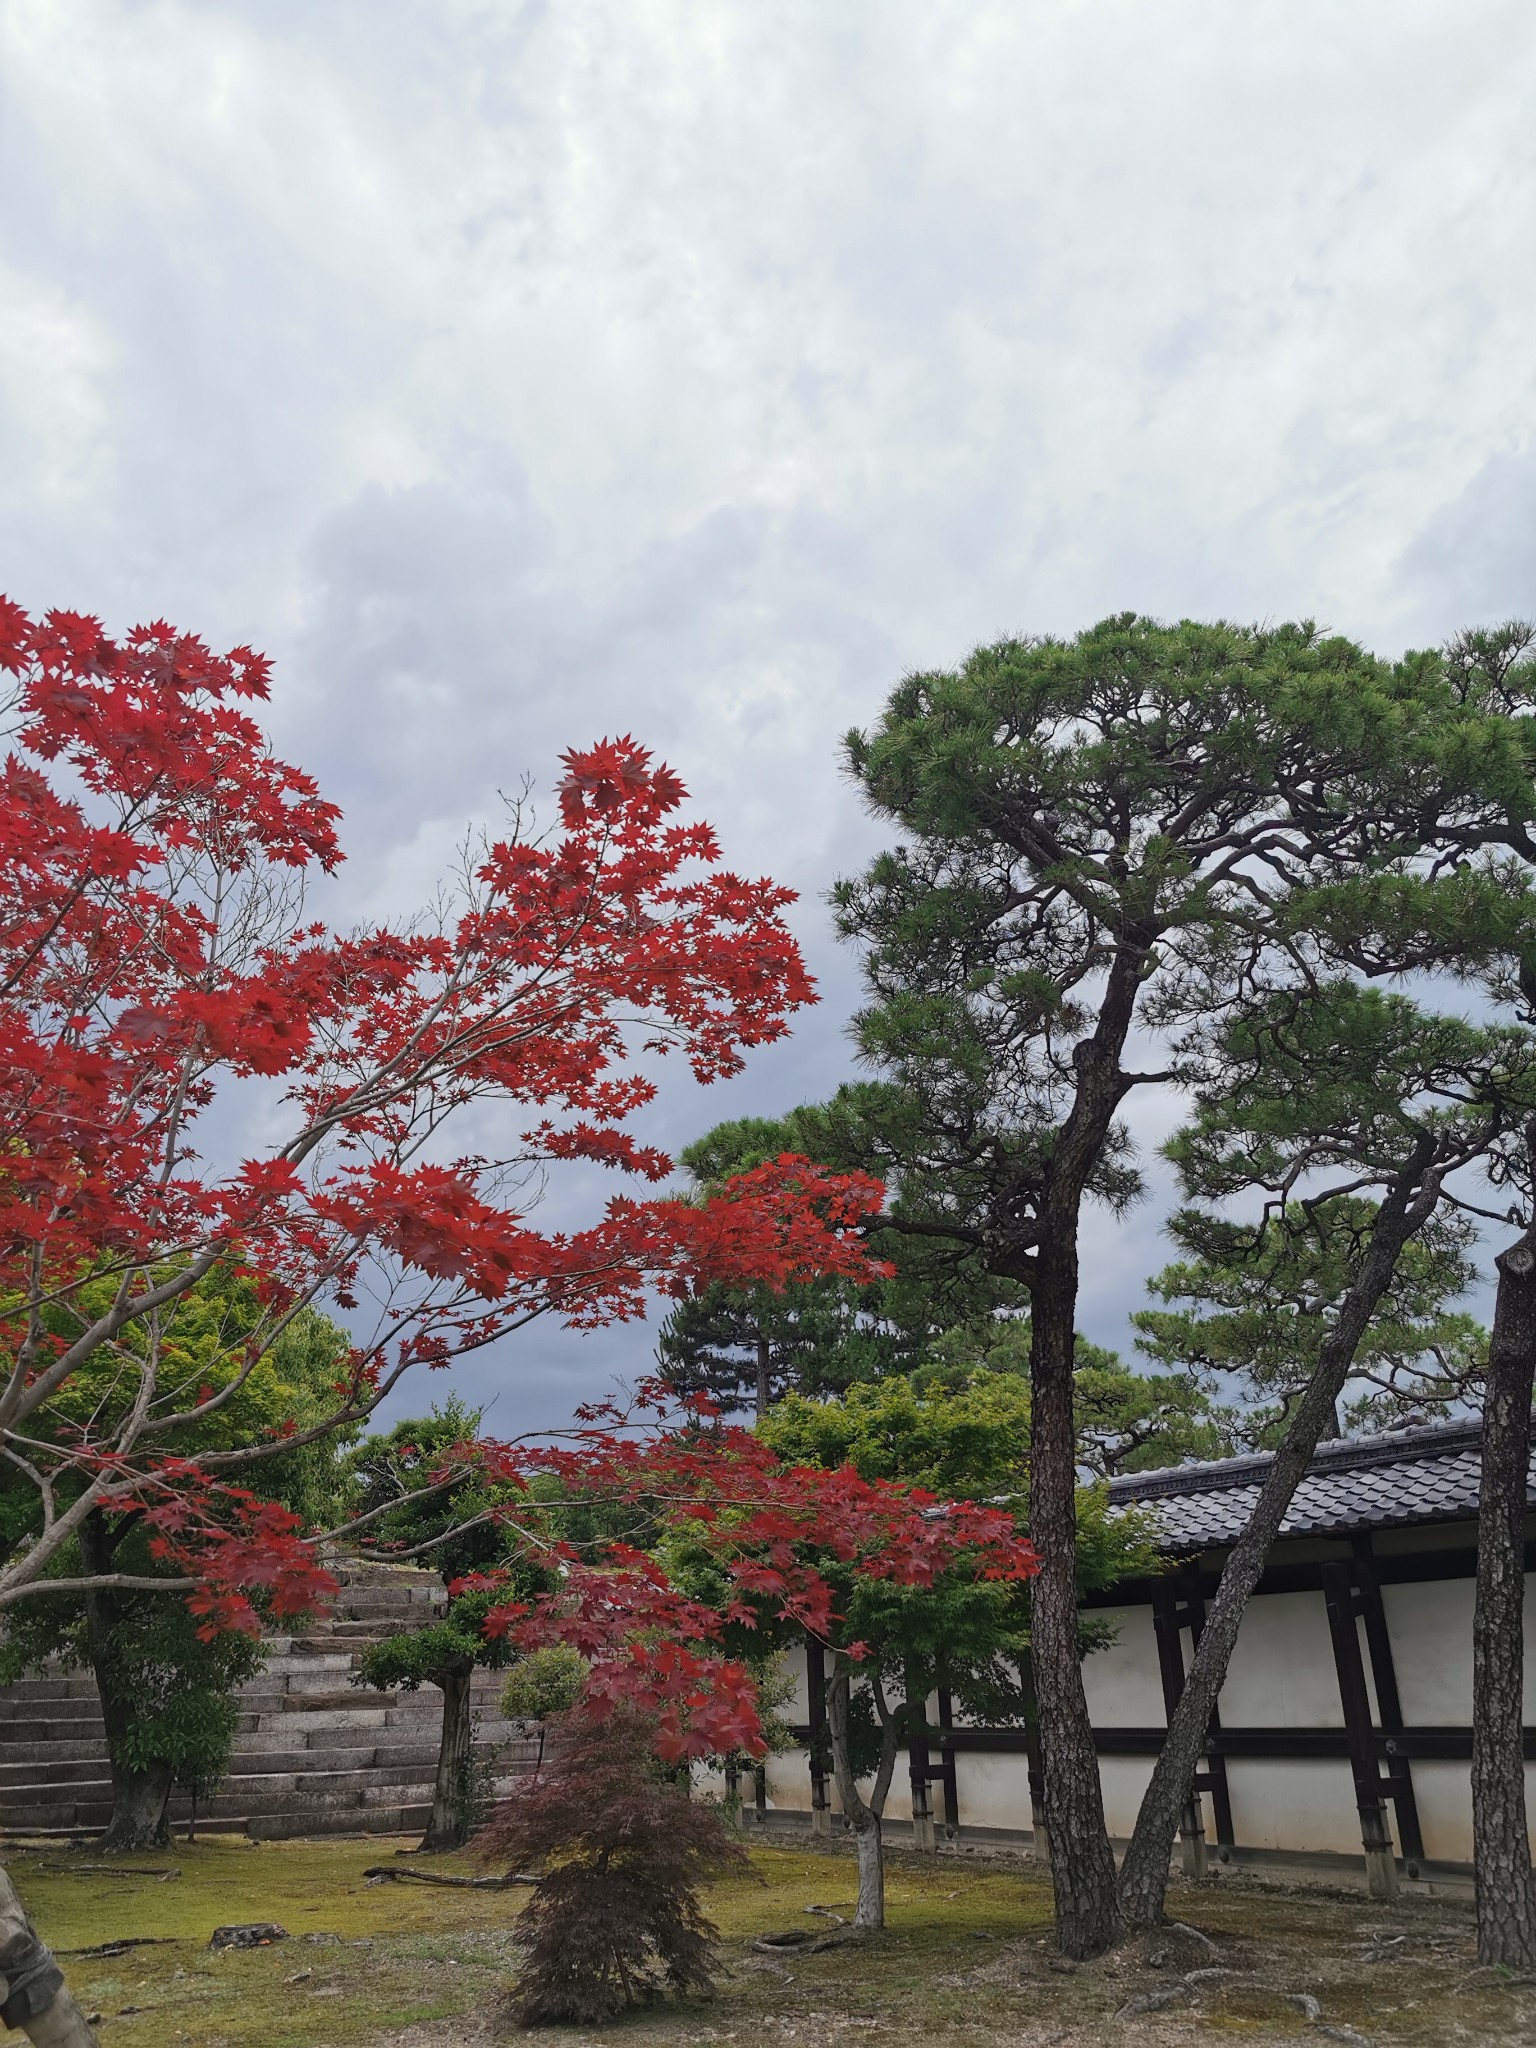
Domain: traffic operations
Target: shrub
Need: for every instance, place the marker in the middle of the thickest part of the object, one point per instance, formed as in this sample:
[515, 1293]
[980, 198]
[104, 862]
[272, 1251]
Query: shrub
[616, 1918]
[543, 1684]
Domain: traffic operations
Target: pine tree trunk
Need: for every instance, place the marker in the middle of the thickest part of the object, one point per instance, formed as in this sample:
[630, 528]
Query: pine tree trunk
[1144, 1873]
[1506, 1890]
[452, 1820]
[764, 1378]
[1082, 1862]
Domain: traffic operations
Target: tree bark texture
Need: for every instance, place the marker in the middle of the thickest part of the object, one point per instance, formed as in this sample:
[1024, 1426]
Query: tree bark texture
[1081, 1860]
[1144, 1872]
[35, 1999]
[452, 1794]
[1501, 1843]
[140, 1797]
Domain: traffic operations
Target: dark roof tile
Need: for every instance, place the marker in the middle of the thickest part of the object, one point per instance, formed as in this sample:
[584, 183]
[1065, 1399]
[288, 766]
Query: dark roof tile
[1405, 1476]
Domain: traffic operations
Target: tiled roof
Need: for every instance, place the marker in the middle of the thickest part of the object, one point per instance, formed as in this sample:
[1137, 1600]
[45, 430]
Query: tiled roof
[1405, 1476]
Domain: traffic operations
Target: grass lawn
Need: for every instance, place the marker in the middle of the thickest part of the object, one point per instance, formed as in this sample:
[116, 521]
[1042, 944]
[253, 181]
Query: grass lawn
[966, 1959]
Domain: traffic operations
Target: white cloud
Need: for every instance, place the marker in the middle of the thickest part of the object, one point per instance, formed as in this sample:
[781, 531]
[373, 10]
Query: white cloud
[520, 372]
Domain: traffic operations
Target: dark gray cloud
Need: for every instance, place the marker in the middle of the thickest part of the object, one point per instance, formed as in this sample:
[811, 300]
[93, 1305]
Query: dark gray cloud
[520, 373]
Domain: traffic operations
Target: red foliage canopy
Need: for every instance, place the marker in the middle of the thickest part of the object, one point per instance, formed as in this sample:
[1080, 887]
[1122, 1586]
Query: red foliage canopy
[774, 1528]
[153, 956]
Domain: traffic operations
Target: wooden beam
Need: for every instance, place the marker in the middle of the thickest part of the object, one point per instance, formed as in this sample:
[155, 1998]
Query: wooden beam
[1375, 1835]
[1389, 1706]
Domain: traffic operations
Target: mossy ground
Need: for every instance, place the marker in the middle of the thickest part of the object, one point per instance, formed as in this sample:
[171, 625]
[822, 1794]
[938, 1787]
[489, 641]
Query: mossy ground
[966, 1960]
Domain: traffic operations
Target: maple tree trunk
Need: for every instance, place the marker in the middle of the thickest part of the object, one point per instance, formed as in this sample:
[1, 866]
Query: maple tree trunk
[33, 1979]
[452, 1820]
[140, 1801]
[1082, 1861]
[1501, 1843]
[869, 1913]
[141, 1795]
[1144, 1872]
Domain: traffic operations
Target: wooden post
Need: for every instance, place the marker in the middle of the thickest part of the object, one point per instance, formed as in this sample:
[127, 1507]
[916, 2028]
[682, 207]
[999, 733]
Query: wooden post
[947, 1775]
[1389, 1706]
[1168, 1622]
[816, 1702]
[923, 1836]
[1375, 1834]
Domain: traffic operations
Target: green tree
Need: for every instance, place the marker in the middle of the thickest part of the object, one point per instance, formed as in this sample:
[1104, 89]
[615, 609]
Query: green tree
[1127, 1421]
[1257, 1300]
[1102, 842]
[542, 1686]
[167, 1696]
[458, 1527]
[960, 1438]
[746, 1347]
[1349, 1089]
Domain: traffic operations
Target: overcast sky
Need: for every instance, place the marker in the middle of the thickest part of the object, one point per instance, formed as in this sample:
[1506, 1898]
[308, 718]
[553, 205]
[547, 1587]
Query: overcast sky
[519, 373]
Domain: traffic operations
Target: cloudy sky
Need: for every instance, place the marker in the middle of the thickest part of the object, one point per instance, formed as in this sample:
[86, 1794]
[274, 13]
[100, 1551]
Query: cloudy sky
[515, 373]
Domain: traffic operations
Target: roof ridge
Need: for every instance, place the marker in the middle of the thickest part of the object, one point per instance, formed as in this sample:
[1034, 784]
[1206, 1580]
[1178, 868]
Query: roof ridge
[1344, 1454]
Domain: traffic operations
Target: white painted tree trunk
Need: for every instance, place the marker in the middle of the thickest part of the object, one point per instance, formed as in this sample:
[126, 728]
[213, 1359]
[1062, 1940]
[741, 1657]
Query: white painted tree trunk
[862, 1815]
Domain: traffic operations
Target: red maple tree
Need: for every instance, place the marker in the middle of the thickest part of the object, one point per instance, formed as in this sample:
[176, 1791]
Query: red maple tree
[772, 1527]
[154, 958]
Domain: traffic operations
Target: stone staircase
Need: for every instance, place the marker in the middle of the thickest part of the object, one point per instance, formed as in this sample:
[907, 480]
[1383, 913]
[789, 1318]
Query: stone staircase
[314, 1755]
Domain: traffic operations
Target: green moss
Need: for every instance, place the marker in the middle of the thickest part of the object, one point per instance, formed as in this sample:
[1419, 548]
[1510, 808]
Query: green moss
[965, 1961]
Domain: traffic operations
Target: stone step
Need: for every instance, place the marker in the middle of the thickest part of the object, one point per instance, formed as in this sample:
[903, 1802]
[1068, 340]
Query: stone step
[293, 1664]
[402, 1755]
[378, 1820]
[76, 1687]
[354, 1770]
[44, 1768]
[80, 1707]
[24, 1753]
[78, 1730]
[356, 1600]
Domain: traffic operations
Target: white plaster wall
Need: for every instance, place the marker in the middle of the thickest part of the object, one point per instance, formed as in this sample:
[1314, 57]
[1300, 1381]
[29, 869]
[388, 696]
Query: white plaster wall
[789, 1781]
[1123, 1683]
[789, 1786]
[1431, 1629]
[793, 1664]
[1282, 1673]
[994, 1791]
[1443, 1792]
[1124, 1779]
[1294, 1805]
[1444, 1795]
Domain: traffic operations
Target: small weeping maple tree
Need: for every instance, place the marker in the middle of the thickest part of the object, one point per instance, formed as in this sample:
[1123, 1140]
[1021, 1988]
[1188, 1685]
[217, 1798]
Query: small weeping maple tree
[617, 1914]
[155, 960]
